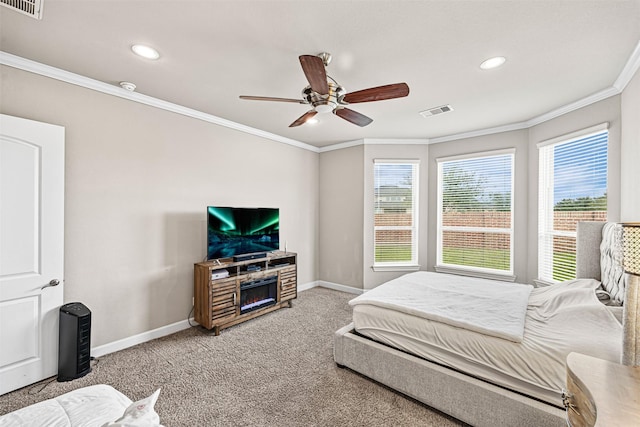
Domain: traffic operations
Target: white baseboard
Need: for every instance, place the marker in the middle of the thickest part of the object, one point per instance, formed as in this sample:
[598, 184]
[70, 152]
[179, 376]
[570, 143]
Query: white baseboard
[338, 287]
[184, 324]
[140, 338]
[329, 285]
[307, 286]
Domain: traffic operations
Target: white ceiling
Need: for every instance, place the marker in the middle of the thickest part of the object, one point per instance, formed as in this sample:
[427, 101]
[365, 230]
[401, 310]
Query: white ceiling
[558, 52]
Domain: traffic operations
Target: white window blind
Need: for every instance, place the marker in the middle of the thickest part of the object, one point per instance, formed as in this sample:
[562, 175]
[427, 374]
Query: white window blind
[572, 187]
[395, 212]
[475, 213]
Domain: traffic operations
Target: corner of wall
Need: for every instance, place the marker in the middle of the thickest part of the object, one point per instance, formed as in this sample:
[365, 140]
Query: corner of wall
[630, 149]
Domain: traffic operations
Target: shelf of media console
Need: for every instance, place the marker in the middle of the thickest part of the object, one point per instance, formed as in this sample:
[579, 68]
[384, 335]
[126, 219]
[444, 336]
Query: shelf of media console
[272, 261]
[223, 273]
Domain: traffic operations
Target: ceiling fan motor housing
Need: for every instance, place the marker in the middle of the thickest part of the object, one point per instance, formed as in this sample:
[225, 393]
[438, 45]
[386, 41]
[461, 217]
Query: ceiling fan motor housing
[325, 103]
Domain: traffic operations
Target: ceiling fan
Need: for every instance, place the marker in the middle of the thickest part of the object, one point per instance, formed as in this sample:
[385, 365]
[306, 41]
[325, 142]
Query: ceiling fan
[325, 95]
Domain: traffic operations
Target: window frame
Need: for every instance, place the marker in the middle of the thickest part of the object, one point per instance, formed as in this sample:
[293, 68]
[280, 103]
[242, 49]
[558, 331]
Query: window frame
[545, 213]
[505, 275]
[411, 265]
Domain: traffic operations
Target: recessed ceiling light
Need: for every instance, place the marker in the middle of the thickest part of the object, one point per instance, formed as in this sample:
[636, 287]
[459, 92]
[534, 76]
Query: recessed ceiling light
[493, 62]
[145, 51]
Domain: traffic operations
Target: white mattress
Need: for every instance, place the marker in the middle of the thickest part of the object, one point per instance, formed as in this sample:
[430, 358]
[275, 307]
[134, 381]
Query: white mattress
[560, 319]
[485, 306]
[86, 407]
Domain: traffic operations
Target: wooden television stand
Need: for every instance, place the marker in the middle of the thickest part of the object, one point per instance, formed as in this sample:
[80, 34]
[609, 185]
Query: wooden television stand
[220, 302]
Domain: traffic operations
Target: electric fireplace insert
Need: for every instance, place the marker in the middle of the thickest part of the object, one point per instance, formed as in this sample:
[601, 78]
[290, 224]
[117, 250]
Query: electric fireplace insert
[258, 294]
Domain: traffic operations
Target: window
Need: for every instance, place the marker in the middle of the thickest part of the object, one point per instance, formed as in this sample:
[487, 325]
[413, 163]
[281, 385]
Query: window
[395, 213]
[572, 187]
[475, 213]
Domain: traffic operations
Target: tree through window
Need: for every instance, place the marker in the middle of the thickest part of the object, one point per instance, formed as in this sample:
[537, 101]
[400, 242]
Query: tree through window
[475, 220]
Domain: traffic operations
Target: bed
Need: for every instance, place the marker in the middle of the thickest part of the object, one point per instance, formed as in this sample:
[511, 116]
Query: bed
[98, 405]
[487, 375]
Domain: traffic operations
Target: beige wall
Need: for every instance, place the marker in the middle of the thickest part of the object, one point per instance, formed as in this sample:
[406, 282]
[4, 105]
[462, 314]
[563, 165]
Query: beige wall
[138, 180]
[346, 212]
[630, 147]
[514, 139]
[607, 110]
[341, 212]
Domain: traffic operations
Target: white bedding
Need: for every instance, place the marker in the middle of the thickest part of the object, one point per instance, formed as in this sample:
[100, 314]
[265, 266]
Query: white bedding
[486, 306]
[88, 406]
[93, 406]
[559, 319]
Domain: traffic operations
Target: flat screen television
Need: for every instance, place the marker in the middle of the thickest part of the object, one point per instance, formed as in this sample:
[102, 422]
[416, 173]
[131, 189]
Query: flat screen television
[237, 231]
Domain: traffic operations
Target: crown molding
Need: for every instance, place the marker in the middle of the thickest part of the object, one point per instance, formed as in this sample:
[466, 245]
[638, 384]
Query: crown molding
[629, 70]
[375, 141]
[591, 99]
[581, 103]
[398, 141]
[480, 132]
[341, 145]
[82, 81]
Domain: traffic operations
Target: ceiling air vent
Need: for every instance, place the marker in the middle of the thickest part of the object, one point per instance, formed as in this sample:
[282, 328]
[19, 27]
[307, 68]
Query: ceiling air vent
[437, 110]
[32, 8]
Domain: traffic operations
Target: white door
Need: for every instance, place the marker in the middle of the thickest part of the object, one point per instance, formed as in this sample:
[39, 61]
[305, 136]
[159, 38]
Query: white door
[31, 249]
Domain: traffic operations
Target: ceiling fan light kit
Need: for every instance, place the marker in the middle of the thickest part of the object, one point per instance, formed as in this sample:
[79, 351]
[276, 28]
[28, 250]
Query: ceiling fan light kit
[324, 108]
[325, 95]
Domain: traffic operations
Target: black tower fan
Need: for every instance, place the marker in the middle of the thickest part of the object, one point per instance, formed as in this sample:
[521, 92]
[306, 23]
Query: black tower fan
[74, 350]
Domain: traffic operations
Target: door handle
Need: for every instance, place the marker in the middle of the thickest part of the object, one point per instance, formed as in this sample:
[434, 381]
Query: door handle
[53, 282]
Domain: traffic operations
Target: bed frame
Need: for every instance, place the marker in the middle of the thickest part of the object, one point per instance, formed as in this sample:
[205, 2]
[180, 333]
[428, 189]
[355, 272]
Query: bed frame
[464, 397]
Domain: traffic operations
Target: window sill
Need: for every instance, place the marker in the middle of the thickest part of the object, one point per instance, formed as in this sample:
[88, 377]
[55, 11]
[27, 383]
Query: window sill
[395, 267]
[475, 273]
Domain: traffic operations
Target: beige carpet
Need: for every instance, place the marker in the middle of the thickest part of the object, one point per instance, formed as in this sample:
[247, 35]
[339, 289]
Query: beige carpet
[276, 370]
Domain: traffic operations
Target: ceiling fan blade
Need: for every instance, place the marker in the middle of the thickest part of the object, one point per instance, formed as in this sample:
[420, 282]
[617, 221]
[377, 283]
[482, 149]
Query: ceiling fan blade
[314, 70]
[303, 118]
[353, 116]
[397, 90]
[268, 98]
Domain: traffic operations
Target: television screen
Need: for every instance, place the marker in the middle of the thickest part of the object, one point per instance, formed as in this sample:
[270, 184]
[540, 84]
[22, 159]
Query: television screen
[236, 231]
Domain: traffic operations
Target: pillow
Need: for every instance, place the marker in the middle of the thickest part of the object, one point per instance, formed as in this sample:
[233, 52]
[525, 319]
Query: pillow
[612, 273]
[140, 413]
